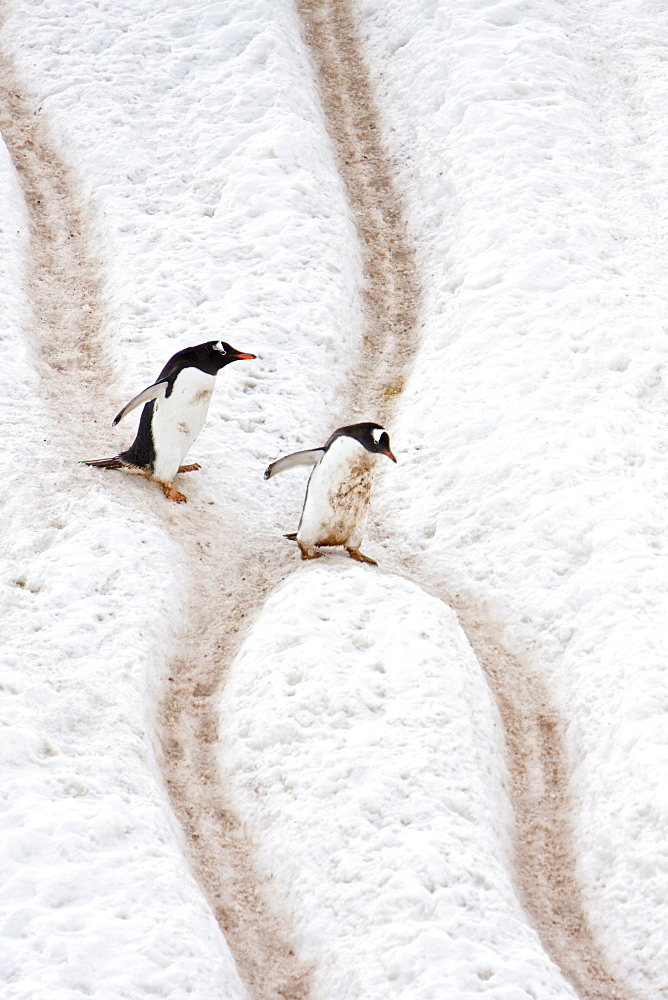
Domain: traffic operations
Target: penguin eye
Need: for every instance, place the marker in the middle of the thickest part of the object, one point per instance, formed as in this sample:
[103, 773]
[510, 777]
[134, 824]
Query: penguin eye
[377, 434]
[219, 347]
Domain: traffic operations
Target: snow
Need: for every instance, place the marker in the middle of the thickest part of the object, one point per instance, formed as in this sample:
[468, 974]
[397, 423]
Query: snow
[547, 439]
[97, 898]
[367, 757]
[359, 739]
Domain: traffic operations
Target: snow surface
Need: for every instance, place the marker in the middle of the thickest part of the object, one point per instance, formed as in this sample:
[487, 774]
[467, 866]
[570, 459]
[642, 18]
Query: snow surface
[542, 454]
[96, 896]
[358, 735]
[369, 762]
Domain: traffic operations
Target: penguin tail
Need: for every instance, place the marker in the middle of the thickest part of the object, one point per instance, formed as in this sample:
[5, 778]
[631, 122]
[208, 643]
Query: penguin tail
[106, 463]
[292, 536]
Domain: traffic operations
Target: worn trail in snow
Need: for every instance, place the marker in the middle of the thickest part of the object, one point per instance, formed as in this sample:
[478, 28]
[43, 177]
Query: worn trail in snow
[234, 587]
[391, 288]
[545, 862]
[63, 278]
[228, 588]
[63, 286]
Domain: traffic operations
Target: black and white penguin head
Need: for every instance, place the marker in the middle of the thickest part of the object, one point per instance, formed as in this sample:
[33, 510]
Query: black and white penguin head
[371, 436]
[209, 357]
[217, 353]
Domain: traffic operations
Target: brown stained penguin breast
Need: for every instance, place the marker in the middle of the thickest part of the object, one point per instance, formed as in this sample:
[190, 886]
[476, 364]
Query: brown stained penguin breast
[348, 502]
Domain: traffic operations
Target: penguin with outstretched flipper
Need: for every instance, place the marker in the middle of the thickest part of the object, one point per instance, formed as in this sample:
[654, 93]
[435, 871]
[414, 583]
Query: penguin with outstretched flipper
[337, 495]
[175, 408]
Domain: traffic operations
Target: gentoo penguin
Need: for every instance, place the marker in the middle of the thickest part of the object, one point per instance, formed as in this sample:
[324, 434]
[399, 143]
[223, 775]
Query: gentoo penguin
[175, 408]
[337, 495]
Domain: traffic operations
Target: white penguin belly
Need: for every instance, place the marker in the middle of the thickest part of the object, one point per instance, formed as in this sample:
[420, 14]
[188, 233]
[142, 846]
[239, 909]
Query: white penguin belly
[178, 419]
[337, 497]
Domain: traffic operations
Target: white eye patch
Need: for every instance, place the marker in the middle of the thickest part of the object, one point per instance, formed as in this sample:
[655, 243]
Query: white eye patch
[377, 434]
[219, 347]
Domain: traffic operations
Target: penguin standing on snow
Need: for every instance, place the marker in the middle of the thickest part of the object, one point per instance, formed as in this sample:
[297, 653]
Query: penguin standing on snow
[337, 495]
[175, 408]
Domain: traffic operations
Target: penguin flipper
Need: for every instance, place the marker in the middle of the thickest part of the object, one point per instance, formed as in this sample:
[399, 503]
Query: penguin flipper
[155, 391]
[311, 457]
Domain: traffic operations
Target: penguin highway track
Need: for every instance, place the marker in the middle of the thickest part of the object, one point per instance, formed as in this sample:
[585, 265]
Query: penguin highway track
[546, 876]
[228, 588]
[62, 277]
[390, 291]
[63, 281]
[63, 284]
[545, 863]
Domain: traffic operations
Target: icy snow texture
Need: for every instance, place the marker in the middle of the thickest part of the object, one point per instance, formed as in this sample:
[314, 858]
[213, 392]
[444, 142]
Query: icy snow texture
[96, 898]
[360, 733]
[167, 116]
[533, 167]
[529, 144]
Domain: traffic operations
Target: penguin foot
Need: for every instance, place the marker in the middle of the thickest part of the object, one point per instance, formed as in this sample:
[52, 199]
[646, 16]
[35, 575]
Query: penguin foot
[360, 557]
[189, 468]
[173, 494]
[308, 555]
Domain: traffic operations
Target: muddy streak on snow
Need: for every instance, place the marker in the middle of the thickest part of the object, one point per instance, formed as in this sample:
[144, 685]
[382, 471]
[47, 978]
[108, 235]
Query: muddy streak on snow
[229, 590]
[545, 862]
[391, 289]
[63, 278]
[545, 874]
[230, 584]
[63, 281]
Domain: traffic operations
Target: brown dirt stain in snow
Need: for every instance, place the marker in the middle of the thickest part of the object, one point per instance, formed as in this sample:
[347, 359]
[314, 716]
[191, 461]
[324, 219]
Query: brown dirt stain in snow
[235, 586]
[63, 278]
[545, 862]
[546, 875]
[230, 586]
[63, 282]
[63, 286]
[391, 292]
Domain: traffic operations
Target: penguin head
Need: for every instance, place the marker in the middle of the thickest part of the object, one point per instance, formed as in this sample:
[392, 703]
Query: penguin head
[218, 354]
[209, 358]
[371, 436]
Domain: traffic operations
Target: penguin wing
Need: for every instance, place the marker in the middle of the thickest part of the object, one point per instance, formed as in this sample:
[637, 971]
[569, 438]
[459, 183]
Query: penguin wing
[155, 391]
[311, 457]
